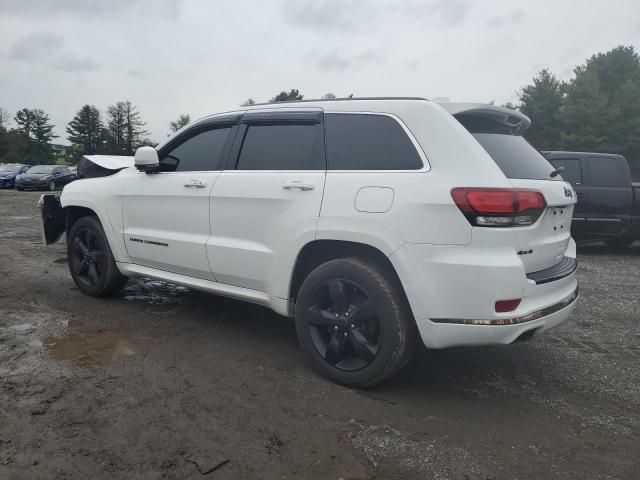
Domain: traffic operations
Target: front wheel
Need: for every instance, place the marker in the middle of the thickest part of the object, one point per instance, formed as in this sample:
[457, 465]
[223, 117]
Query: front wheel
[354, 324]
[91, 262]
[20, 189]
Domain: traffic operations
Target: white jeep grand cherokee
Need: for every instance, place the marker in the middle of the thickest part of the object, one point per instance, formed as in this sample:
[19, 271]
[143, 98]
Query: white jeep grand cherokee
[373, 222]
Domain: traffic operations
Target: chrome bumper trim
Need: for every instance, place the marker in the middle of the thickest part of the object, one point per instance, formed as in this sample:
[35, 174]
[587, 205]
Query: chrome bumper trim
[556, 307]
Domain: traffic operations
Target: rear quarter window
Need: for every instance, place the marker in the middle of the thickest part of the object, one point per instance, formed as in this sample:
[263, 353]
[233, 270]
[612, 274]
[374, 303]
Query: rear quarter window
[368, 142]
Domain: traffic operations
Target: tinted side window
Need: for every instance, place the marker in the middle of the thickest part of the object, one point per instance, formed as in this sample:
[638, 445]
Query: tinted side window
[199, 153]
[604, 172]
[282, 147]
[368, 142]
[572, 172]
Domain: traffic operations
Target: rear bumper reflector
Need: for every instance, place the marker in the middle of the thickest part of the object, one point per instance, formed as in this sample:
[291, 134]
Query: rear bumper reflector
[565, 302]
[563, 269]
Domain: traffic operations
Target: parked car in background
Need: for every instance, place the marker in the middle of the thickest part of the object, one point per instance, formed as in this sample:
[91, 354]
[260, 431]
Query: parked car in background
[608, 201]
[9, 172]
[373, 222]
[45, 177]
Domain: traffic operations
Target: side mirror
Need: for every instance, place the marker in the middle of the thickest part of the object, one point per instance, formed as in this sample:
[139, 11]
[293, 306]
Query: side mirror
[146, 159]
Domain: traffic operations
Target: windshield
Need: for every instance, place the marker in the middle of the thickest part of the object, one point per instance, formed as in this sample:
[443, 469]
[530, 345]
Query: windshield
[9, 167]
[515, 157]
[40, 169]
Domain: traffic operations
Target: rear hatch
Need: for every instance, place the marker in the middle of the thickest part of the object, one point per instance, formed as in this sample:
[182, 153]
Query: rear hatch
[542, 244]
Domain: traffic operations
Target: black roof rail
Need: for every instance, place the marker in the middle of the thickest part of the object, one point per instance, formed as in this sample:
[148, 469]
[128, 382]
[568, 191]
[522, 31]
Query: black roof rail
[338, 100]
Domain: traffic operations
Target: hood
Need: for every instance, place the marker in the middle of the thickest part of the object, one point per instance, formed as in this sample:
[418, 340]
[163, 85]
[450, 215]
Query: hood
[34, 176]
[111, 162]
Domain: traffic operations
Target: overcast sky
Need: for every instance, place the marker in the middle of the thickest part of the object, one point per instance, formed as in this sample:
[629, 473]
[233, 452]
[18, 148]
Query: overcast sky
[197, 56]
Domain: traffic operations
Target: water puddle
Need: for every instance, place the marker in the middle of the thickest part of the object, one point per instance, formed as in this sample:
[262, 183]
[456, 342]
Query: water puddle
[154, 292]
[90, 351]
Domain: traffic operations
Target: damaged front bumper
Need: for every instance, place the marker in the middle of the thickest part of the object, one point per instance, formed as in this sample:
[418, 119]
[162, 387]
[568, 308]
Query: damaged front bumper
[52, 218]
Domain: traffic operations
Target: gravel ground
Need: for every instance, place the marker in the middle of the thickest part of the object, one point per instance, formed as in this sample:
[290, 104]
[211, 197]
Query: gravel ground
[164, 382]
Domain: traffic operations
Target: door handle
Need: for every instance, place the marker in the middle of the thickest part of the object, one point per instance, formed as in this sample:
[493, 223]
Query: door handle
[297, 184]
[195, 184]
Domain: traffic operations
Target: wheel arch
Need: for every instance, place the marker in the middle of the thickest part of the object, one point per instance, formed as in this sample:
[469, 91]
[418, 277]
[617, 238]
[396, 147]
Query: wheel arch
[73, 213]
[317, 252]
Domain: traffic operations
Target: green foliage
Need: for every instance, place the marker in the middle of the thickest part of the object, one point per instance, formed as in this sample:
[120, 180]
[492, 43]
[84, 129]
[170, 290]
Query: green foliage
[598, 110]
[248, 102]
[125, 132]
[30, 142]
[86, 132]
[283, 96]
[182, 121]
[541, 102]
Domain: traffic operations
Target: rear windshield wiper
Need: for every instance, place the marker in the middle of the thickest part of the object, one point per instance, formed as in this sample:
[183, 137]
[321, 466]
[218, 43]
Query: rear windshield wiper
[556, 172]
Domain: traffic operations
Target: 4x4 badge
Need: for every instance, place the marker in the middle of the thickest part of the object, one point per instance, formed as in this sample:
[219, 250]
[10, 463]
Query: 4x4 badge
[568, 192]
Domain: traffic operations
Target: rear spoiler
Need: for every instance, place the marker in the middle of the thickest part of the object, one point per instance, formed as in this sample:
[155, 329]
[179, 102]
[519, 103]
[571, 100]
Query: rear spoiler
[514, 120]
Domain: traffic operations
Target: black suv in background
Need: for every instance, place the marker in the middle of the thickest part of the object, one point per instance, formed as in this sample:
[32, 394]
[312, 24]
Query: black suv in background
[45, 177]
[608, 201]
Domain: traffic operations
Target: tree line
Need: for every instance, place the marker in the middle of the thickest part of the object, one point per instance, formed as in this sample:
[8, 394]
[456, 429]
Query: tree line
[118, 132]
[597, 110]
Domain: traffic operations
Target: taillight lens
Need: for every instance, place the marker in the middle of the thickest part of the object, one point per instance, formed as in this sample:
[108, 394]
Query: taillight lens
[503, 306]
[499, 207]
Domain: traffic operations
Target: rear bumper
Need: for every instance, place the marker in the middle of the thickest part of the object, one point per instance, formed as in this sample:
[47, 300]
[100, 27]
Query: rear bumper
[439, 335]
[452, 292]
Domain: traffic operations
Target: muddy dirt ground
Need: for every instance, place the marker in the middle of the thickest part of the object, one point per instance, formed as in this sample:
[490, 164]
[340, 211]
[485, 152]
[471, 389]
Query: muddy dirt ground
[164, 382]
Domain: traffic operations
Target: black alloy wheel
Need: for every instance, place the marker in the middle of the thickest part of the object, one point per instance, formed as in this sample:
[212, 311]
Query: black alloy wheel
[52, 185]
[87, 257]
[353, 322]
[344, 325]
[91, 262]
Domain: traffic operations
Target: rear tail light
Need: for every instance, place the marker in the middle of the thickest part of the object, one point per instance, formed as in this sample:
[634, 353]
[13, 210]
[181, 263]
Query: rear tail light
[499, 207]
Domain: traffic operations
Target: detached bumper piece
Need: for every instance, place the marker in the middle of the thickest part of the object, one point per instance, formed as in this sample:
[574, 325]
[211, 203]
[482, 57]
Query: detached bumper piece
[563, 269]
[565, 302]
[52, 217]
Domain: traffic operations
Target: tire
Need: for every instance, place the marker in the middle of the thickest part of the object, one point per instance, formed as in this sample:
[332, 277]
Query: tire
[91, 262]
[52, 186]
[380, 324]
[20, 189]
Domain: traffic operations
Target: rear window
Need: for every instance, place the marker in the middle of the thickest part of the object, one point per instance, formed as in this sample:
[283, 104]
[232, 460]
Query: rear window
[512, 153]
[572, 170]
[604, 172]
[368, 142]
[515, 157]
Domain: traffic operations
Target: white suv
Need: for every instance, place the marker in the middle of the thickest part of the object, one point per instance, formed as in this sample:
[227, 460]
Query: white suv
[373, 222]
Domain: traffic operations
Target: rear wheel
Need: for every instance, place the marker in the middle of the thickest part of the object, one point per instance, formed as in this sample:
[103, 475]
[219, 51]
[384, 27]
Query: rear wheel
[91, 262]
[52, 185]
[354, 325]
[20, 189]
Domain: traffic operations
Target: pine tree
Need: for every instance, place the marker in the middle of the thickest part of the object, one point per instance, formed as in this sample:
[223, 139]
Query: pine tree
[182, 121]
[87, 131]
[541, 102]
[24, 119]
[283, 96]
[42, 132]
